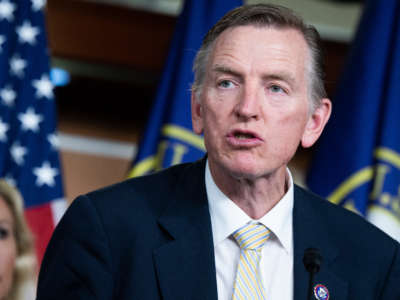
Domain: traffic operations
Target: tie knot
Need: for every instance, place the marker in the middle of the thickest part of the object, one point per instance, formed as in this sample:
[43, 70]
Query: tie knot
[252, 236]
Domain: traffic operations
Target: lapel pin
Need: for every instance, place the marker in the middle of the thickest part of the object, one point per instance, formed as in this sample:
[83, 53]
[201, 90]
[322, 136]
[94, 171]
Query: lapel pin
[321, 292]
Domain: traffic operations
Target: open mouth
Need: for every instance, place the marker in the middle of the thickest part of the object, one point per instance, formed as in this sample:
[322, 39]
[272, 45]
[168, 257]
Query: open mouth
[243, 138]
[243, 135]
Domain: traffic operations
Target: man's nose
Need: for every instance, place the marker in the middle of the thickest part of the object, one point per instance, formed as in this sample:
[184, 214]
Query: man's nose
[248, 103]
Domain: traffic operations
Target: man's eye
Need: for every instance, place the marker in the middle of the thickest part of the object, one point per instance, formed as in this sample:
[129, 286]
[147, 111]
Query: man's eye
[276, 89]
[226, 84]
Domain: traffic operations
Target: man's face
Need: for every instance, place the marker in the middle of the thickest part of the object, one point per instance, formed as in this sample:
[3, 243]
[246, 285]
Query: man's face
[254, 106]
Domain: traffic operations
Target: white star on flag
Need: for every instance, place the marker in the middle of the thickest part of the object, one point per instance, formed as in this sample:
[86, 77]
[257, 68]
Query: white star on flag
[8, 96]
[18, 152]
[17, 66]
[28, 116]
[2, 41]
[45, 174]
[38, 4]
[54, 141]
[6, 10]
[44, 87]
[3, 129]
[30, 120]
[27, 33]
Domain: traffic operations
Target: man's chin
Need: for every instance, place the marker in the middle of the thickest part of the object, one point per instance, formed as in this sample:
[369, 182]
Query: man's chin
[239, 167]
[245, 171]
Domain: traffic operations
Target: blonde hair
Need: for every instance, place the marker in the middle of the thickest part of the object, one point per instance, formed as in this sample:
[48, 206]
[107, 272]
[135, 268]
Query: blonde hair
[25, 265]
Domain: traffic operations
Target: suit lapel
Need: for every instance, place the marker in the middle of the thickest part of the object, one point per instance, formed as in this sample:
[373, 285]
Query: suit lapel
[309, 231]
[186, 266]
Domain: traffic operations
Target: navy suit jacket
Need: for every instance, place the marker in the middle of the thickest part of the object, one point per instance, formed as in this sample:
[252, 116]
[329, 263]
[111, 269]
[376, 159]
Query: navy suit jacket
[151, 238]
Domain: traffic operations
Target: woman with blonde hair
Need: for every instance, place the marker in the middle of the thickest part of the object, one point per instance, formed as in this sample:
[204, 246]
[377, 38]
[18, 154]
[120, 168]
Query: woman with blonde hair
[17, 258]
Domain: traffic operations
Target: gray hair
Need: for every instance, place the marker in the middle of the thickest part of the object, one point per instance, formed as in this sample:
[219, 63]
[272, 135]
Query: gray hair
[266, 15]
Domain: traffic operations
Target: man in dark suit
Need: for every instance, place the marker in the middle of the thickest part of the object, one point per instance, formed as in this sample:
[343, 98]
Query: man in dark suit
[233, 225]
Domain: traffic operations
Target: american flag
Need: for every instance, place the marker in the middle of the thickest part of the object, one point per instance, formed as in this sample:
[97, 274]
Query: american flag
[28, 141]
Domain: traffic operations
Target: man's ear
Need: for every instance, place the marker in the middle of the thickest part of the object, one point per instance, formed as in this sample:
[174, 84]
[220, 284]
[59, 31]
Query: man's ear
[316, 123]
[197, 114]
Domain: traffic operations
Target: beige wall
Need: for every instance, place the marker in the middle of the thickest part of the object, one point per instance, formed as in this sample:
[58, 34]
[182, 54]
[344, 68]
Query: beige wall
[86, 172]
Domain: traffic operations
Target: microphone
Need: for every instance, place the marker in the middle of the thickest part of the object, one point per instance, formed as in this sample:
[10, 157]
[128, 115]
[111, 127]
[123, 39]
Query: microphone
[312, 260]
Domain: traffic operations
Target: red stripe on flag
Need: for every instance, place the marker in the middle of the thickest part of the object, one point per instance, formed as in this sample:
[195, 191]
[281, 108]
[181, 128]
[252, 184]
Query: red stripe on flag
[40, 221]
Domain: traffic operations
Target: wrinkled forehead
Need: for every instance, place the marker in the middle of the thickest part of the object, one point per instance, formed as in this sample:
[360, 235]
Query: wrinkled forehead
[260, 26]
[263, 46]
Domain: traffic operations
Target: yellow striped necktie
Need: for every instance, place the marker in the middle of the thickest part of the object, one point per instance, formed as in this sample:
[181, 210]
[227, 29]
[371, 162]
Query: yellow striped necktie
[248, 285]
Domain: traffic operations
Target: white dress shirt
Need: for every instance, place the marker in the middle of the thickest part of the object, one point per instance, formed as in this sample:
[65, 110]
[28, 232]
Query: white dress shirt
[277, 255]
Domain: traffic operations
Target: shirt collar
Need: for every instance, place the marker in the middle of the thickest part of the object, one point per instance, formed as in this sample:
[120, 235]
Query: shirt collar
[227, 217]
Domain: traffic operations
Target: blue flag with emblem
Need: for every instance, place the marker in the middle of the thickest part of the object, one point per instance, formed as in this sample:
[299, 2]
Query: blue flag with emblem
[169, 138]
[28, 141]
[357, 163]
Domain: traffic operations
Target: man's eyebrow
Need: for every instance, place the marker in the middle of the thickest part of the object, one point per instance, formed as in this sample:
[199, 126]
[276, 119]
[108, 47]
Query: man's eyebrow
[289, 78]
[283, 76]
[225, 70]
